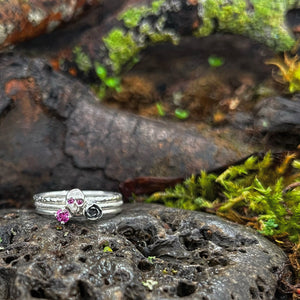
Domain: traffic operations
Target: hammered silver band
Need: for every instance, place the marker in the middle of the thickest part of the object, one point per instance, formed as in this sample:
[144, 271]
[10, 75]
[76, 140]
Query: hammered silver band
[77, 204]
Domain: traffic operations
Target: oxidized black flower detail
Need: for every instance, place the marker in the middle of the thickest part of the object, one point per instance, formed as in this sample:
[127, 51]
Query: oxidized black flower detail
[93, 212]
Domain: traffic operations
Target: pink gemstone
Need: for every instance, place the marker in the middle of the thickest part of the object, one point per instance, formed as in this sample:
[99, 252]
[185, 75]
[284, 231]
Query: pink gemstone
[71, 201]
[79, 201]
[63, 216]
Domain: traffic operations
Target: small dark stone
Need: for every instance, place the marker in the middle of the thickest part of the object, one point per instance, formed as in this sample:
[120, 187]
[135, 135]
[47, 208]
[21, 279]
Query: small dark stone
[279, 119]
[278, 115]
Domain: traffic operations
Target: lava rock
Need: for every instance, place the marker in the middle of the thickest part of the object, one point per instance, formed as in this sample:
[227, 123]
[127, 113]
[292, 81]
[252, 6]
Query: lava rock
[146, 252]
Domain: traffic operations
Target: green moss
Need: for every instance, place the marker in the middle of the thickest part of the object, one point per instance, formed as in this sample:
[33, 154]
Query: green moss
[82, 60]
[132, 16]
[255, 188]
[265, 22]
[122, 48]
[156, 5]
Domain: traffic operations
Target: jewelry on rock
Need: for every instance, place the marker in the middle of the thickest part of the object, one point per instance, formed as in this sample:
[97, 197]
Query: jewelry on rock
[82, 205]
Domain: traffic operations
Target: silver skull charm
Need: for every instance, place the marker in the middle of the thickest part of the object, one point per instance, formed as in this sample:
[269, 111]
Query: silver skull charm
[75, 202]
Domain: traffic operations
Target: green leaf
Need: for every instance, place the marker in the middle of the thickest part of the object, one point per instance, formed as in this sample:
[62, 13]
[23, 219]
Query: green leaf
[215, 61]
[160, 109]
[151, 258]
[112, 82]
[107, 249]
[100, 71]
[181, 114]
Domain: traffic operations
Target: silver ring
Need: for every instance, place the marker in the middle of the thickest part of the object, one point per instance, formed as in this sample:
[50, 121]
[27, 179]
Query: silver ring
[77, 204]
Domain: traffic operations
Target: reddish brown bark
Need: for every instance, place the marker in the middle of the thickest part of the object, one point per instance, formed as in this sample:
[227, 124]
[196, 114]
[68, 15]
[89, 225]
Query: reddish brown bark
[22, 20]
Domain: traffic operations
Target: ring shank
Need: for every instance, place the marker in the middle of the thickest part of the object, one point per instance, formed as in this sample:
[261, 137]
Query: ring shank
[49, 203]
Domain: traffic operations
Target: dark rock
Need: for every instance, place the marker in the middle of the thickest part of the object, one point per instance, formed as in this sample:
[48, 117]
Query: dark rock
[241, 120]
[278, 114]
[279, 119]
[55, 135]
[196, 255]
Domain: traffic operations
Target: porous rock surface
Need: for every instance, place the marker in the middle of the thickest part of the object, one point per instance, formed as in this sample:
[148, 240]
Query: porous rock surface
[196, 255]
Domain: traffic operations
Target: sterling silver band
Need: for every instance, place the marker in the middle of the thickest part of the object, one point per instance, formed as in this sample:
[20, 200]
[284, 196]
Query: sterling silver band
[82, 205]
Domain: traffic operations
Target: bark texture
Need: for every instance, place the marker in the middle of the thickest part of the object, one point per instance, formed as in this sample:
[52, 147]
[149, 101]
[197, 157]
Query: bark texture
[55, 135]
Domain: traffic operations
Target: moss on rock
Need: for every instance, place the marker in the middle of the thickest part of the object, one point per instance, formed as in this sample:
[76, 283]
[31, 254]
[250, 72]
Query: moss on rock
[261, 20]
[168, 20]
[121, 48]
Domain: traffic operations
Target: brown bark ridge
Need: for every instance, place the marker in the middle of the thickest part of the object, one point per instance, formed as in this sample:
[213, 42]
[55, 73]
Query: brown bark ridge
[55, 135]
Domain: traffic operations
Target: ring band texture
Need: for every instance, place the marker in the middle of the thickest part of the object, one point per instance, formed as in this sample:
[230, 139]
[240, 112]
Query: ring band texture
[82, 205]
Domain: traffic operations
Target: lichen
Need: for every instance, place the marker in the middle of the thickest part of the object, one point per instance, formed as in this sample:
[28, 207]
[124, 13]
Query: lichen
[82, 60]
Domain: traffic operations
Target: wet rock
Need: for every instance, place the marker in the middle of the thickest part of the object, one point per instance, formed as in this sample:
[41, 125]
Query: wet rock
[55, 135]
[278, 114]
[156, 253]
[278, 119]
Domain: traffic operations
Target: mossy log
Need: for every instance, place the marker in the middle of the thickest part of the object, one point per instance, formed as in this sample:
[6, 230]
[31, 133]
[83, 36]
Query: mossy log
[146, 23]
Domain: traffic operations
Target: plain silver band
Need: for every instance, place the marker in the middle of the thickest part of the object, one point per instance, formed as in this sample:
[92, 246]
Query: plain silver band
[50, 202]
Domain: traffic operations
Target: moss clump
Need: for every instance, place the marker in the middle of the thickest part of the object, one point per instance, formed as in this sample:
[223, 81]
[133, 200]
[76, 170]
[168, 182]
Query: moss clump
[264, 21]
[132, 16]
[261, 20]
[121, 47]
[82, 60]
[155, 32]
[253, 190]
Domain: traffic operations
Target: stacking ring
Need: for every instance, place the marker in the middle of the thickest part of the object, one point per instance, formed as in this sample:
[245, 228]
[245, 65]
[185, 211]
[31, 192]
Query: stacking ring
[82, 205]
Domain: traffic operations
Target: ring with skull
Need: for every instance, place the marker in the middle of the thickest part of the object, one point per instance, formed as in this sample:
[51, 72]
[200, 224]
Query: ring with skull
[77, 204]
